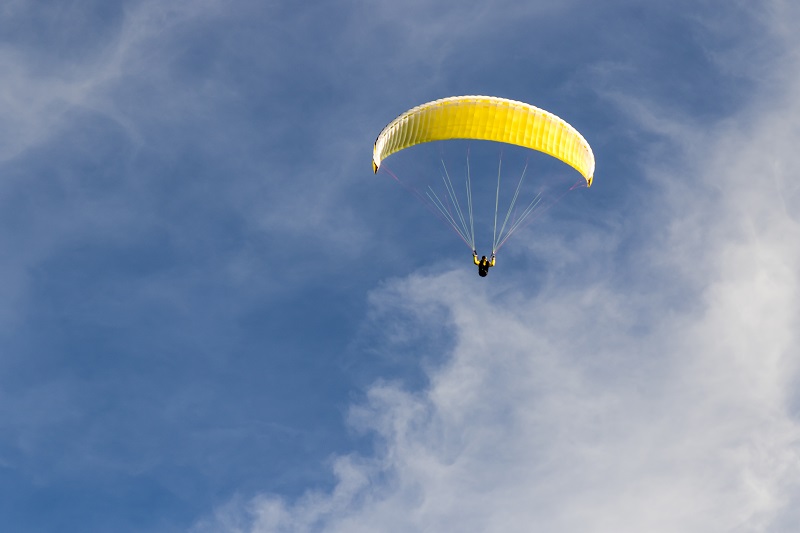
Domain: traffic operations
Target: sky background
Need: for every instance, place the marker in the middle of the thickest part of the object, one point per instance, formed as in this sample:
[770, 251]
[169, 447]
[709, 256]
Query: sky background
[215, 318]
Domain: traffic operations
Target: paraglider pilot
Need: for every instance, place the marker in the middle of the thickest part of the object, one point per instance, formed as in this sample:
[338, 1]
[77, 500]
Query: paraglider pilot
[484, 264]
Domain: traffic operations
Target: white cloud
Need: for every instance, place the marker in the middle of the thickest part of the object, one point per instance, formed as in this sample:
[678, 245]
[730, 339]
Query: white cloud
[49, 94]
[38, 90]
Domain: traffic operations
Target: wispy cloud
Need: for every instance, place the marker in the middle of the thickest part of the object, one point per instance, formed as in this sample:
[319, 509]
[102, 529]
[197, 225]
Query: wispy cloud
[94, 51]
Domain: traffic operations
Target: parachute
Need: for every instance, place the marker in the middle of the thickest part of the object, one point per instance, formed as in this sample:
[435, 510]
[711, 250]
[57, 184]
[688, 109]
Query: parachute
[484, 118]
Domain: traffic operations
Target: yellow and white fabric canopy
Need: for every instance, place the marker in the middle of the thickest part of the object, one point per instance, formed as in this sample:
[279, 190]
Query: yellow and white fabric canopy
[486, 118]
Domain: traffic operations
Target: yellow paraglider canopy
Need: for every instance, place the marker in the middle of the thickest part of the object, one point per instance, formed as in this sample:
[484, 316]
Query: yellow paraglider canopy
[486, 118]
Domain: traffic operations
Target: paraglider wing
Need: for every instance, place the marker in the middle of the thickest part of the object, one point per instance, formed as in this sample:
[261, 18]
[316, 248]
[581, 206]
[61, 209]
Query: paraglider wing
[490, 119]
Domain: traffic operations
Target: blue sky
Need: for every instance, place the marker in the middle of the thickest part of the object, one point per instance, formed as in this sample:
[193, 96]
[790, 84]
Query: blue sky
[214, 317]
